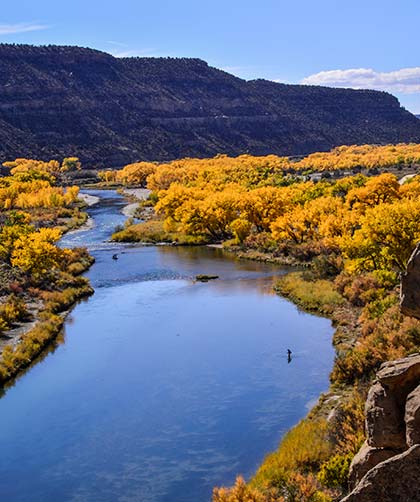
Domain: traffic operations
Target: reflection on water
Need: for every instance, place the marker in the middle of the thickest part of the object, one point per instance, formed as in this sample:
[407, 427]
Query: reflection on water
[164, 386]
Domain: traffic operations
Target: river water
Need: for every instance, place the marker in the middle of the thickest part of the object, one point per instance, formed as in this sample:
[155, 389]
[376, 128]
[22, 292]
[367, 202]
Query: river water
[161, 387]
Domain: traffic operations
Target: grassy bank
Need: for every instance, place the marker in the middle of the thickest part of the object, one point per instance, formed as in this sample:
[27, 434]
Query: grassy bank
[312, 461]
[14, 359]
[318, 296]
[39, 281]
[29, 340]
[153, 232]
[343, 234]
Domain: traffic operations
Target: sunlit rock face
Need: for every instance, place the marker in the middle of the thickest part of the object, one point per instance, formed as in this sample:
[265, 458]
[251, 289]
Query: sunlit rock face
[394, 480]
[387, 467]
[58, 101]
[412, 417]
[388, 464]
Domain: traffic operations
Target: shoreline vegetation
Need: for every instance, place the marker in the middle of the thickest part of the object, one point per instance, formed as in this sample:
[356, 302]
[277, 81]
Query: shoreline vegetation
[350, 229]
[40, 282]
[343, 217]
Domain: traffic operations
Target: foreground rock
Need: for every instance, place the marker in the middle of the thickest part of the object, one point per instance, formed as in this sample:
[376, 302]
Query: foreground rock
[384, 419]
[366, 459]
[387, 466]
[412, 417]
[395, 480]
[410, 286]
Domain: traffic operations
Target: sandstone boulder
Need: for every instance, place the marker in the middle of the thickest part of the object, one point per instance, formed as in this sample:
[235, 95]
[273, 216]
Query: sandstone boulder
[366, 459]
[384, 419]
[401, 376]
[410, 286]
[412, 418]
[394, 480]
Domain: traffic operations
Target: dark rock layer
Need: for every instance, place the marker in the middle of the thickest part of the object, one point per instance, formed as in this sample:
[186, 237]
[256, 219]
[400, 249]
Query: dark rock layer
[60, 101]
[410, 286]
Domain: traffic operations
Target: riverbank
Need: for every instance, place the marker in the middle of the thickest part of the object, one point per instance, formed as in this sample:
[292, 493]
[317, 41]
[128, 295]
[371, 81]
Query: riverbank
[314, 454]
[312, 441]
[88, 199]
[310, 448]
[26, 343]
[136, 196]
[313, 459]
[35, 304]
[27, 340]
[137, 324]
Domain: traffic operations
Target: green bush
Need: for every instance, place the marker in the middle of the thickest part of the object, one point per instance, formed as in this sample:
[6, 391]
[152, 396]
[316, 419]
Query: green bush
[335, 471]
[377, 308]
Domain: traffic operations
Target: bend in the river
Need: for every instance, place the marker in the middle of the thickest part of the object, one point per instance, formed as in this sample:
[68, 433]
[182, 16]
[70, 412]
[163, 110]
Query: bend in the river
[164, 387]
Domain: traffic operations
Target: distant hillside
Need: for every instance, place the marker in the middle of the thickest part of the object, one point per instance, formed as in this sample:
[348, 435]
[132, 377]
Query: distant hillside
[59, 101]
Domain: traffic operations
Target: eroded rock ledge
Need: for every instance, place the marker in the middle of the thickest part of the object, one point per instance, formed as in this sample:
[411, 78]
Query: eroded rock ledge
[391, 452]
[387, 467]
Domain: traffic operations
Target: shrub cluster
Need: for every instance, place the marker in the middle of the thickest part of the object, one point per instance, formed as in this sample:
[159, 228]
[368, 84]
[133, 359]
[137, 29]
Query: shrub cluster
[32, 266]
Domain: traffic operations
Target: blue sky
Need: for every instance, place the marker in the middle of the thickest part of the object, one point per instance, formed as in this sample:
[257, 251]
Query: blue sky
[349, 43]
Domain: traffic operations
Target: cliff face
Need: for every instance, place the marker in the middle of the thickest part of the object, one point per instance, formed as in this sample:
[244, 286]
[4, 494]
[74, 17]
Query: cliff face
[387, 467]
[59, 101]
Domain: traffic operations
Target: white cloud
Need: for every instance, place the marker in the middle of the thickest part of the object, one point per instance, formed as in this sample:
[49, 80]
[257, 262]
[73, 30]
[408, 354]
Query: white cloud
[235, 69]
[119, 44]
[405, 80]
[134, 53]
[11, 29]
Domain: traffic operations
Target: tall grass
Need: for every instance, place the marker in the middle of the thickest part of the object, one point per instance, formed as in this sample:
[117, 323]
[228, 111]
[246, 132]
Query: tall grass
[316, 296]
[153, 232]
[14, 359]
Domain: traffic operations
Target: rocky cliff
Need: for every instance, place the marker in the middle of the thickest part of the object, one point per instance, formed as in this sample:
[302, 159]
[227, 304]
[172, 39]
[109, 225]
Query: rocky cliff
[59, 101]
[387, 468]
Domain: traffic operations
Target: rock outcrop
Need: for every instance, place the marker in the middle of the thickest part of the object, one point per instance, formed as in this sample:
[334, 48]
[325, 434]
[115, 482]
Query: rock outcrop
[384, 418]
[366, 459]
[58, 101]
[412, 417]
[410, 286]
[394, 480]
[387, 467]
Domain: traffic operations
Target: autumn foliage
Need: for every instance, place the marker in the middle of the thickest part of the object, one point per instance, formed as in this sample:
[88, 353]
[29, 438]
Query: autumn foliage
[353, 228]
[372, 222]
[33, 269]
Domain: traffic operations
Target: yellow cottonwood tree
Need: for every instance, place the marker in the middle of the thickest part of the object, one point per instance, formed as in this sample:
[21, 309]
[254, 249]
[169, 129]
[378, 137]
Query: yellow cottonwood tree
[386, 238]
[380, 189]
[36, 253]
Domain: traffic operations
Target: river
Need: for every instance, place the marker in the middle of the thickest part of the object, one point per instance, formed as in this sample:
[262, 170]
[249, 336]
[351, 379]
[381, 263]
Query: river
[161, 387]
